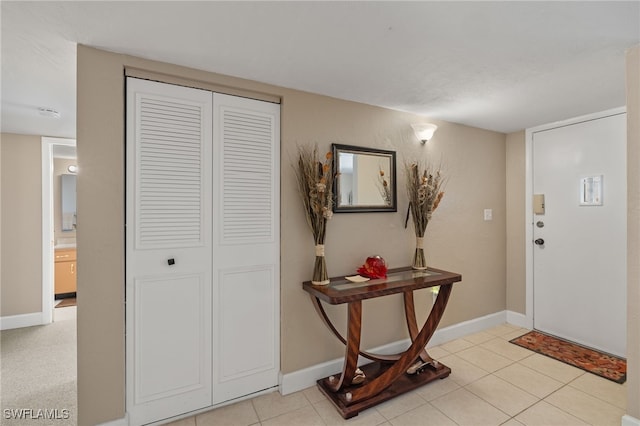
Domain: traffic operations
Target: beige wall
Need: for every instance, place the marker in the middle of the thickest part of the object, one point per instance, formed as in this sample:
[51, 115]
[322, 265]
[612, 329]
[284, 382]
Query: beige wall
[516, 244]
[633, 231]
[100, 203]
[1, 204]
[457, 239]
[21, 223]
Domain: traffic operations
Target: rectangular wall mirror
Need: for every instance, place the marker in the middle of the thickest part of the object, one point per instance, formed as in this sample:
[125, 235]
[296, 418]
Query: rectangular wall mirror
[365, 179]
[68, 204]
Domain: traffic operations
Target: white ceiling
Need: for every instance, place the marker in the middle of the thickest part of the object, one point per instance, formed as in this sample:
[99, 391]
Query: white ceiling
[501, 66]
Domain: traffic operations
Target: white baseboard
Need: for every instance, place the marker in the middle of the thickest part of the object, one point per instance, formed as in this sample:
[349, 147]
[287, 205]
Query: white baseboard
[19, 321]
[465, 328]
[118, 422]
[516, 318]
[627, 420]
[302, 379]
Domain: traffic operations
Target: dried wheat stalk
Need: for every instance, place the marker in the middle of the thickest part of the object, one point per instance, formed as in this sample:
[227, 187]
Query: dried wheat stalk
[315, 184]
[424, 188]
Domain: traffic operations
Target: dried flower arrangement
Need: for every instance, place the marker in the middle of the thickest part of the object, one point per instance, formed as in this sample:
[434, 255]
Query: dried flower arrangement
[383, 187]
[315, 184]
[424, 188]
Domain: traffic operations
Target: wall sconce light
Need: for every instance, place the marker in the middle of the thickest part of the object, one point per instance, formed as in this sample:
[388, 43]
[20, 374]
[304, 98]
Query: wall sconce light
[72, 168]
[424, 131]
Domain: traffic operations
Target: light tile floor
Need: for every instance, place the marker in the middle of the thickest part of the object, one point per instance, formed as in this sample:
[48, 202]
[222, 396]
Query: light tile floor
[493, 382]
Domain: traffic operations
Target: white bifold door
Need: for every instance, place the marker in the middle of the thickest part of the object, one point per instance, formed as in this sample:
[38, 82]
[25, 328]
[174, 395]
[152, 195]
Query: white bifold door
[202, 249]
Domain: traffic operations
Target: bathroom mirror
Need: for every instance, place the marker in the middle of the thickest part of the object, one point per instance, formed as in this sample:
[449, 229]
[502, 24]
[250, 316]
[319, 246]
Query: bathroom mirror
[68, 205]
[365, 179]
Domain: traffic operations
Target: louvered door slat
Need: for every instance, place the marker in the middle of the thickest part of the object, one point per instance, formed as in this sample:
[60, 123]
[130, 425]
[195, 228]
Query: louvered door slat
[170, 171]
[247, 176]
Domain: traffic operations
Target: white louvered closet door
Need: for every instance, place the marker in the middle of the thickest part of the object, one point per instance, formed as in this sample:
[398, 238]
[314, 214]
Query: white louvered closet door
[246, 256]
[169, 250]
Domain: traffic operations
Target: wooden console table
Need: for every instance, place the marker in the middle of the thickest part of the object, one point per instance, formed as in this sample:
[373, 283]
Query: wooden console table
[386, 376]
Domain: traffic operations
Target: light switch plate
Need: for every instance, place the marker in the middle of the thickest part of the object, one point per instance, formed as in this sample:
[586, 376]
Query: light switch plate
[488, 214]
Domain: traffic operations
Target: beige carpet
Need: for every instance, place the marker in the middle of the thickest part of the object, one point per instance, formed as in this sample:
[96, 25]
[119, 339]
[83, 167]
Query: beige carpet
[38, 373]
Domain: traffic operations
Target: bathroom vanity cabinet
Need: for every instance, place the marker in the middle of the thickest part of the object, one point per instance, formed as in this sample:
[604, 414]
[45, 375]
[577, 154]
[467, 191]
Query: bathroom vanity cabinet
[65, 271]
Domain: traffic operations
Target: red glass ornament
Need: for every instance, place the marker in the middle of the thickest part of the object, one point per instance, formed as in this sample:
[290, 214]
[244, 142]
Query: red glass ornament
[374, 267]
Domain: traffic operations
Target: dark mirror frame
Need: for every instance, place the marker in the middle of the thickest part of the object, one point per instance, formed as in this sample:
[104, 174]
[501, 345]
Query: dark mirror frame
[337, 208]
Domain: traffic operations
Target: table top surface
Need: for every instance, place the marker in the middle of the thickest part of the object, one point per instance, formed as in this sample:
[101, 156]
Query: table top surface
[399, 280]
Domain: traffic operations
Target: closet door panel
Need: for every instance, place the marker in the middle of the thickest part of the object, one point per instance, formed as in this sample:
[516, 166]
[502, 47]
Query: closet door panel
[169, 249]
[247, 344]
[169, 332]
[246, 246]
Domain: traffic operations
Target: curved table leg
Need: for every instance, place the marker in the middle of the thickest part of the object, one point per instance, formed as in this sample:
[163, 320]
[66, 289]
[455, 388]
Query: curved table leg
[399, 368]
[410, 314]
[352, 349]
[325, 318]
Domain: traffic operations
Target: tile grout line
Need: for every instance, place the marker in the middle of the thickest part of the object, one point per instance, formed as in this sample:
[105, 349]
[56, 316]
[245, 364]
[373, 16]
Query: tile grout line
[560, 408]
[313, 407]
[581, 391]
[499, 409]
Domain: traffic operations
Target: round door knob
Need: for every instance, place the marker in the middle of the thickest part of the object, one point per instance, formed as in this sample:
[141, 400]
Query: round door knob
[539, 241]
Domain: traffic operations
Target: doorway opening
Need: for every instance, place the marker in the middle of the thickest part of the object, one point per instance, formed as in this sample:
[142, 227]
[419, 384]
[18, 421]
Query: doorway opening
[58, 215]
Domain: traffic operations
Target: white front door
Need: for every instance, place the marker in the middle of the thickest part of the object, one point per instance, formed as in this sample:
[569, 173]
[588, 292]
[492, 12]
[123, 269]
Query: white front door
[169, 249]
[579, 254]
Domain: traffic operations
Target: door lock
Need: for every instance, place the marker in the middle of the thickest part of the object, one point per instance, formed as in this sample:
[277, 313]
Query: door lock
[539, 242]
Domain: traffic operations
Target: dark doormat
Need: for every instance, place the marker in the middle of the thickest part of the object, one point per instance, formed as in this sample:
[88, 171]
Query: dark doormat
[599, 363]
